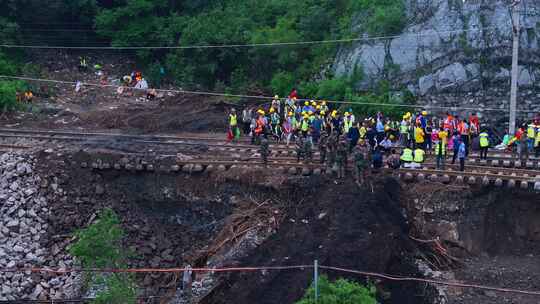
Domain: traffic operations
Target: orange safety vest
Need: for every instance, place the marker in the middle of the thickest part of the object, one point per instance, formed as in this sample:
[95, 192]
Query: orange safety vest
[463, 129]
[260, 126]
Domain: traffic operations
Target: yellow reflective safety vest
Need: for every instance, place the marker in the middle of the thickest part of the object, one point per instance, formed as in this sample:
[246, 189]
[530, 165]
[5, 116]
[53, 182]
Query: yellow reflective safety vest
[484, 140]
[233, 121]
[440, 148]
[347, 124]
[305, 125]
[537, 140]
[407, 155]
[363, 132]
[419, 156]
[403, 129]
[531, 132]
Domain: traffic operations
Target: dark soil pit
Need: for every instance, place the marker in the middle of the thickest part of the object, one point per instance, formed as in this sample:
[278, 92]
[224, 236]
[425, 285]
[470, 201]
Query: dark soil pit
[339, 225]
[496, 233]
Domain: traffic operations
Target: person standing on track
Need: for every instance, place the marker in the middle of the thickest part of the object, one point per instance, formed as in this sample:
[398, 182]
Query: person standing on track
[247, 114]
[233, 126]
[462, 154]
[537, 143]
[484, 144]
[265, 151]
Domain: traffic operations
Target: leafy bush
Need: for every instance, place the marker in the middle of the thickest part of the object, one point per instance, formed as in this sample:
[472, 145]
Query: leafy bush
[383, 17]
[339, 292]
[383, 96]
[120, 289]
[282, 83]
[98, 246]
[8, 94]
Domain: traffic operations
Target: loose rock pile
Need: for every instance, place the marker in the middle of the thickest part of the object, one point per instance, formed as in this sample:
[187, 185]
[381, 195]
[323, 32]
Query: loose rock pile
[24, 212]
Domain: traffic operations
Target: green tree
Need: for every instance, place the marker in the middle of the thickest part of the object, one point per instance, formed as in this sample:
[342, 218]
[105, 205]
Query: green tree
[339, 292]
[8, 94]
[98, 246]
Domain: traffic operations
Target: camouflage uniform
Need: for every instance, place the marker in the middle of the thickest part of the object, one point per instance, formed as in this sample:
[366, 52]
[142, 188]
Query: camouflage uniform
[360, 164]
[299, 148]
[323, 144]
[331, 147]
[308, 152]
[341, 158]
[265, 151]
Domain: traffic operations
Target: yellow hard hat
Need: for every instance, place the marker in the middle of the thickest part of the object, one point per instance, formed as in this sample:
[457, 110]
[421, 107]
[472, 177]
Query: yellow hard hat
[272, 110]
[303, 112]
[408, 114]
[276, 97]
[318, 107]
[306, 116]
[306, 103]
[424, 113]
[392, 137]
[260, 111]
[323, 102]
[313, 103]
[322, 113]
[290, 113]
[346, 113]
[310, 112]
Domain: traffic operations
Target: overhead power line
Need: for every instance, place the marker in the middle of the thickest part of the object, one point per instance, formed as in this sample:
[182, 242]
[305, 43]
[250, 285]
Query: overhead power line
[267, 98]
[219, 46]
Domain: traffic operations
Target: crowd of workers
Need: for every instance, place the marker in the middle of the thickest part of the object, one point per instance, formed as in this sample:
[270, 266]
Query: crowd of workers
[339, 135]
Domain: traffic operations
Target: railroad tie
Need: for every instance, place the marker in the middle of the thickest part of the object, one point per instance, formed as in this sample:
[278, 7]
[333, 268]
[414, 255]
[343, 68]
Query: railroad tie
[187, 168]
[445, 179]
[408, 177]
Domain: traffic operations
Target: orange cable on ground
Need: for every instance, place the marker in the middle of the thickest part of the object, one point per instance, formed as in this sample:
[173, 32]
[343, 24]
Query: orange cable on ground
[301, 267]
[437, 282]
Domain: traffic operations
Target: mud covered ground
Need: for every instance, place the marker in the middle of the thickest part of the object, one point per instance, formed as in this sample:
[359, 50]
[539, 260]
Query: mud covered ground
[494, 233]
[58, 106]
[173, 219]
[339, 225]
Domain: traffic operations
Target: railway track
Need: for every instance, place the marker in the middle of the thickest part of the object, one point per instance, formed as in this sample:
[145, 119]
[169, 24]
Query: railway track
[497, 160]
[502, 178]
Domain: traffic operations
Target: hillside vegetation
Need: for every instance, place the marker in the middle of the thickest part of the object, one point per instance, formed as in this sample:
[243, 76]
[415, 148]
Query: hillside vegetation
[274, 69]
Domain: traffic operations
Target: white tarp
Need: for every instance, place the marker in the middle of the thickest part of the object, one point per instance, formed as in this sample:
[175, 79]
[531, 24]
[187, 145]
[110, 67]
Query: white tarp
[142, 84]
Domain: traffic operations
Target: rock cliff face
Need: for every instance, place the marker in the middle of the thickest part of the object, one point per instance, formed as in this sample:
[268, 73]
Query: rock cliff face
[451, 46]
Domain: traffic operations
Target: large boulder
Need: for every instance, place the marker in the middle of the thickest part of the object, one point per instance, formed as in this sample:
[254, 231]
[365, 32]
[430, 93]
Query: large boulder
[451, 76]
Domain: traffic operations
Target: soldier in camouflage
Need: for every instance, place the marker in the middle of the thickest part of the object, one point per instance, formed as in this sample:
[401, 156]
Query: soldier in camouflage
[360, 163]
[299, 148]
[308, 151]
[265, 151]
[341, 158]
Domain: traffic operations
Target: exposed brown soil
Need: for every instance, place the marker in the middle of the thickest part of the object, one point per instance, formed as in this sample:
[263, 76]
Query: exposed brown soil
[339, 225]
[495, 233]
